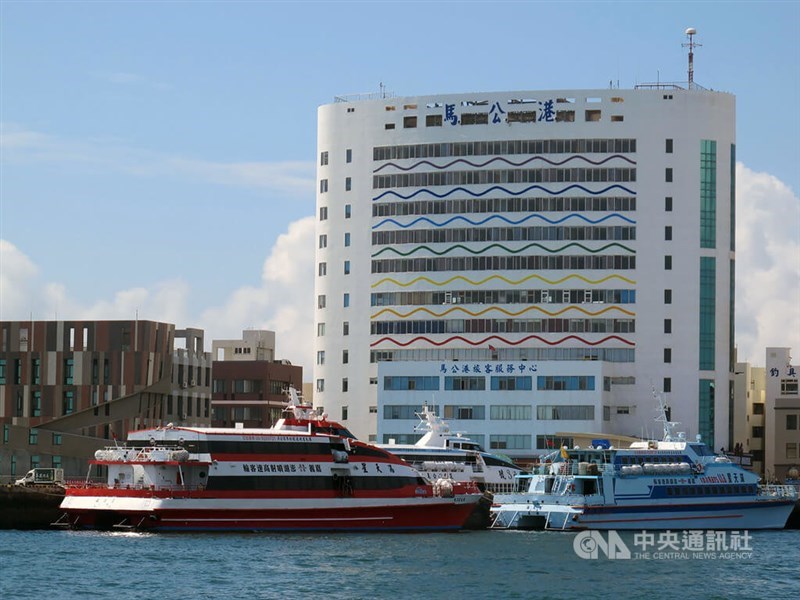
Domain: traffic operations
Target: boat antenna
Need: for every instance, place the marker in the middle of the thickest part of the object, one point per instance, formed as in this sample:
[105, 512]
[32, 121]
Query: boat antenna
[664, 417]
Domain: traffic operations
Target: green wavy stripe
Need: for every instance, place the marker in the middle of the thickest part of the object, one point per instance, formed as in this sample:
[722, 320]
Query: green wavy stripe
[500, 277]
[502, 247]
[479, 313]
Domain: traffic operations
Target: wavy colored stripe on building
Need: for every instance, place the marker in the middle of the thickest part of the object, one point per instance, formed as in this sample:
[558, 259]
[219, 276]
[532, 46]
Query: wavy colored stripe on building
[500, 277]
[555, 163]
[497, 338]
[553, 313]
[507, 191]
[502, 218]
[505, 248]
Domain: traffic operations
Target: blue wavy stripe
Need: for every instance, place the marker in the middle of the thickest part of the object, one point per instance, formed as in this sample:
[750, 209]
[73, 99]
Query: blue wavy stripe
[502, 218]
[555, 163]
[535, 186]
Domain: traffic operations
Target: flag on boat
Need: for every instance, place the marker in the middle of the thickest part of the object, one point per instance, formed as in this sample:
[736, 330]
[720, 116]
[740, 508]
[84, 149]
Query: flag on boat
[564, 454]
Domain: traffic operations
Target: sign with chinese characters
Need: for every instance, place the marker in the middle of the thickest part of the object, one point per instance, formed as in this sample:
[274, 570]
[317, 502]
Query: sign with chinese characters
[464, 368]
[497, 115]
[790, 372]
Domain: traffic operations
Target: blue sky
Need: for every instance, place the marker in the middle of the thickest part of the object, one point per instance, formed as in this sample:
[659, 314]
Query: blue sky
[159, 156]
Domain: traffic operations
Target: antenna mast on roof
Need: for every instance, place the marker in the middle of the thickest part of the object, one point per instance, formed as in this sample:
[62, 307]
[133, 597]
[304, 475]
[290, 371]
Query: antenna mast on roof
[691, 32]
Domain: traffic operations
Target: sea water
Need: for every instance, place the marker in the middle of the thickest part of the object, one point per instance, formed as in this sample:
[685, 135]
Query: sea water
[475, 564]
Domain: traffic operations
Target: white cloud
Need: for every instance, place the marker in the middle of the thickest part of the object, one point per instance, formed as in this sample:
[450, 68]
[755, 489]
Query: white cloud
[17, 282]
[767, 265]
[18, 144]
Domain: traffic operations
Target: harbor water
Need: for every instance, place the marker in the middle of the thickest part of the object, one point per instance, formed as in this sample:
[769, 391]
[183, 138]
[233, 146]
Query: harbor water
[474, 564]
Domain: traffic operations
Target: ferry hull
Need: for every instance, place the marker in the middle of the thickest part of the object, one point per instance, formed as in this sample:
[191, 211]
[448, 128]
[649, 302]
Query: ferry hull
[565, 517]
[251, 515]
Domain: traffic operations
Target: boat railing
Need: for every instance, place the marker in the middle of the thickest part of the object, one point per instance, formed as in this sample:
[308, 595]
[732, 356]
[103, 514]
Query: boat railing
[777, 491]
[502, 488]
[574, 468]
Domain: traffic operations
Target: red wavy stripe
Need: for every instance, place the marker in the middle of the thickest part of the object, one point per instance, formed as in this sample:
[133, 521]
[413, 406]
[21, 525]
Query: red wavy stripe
[501, 339]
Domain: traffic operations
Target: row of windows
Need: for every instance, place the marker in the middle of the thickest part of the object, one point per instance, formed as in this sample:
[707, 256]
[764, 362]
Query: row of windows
[503, 297]
[710, 490]
[502, 234]
[400, 383]
[565, 413]
[615, 355]
[503, 263]
[440, 326]
[497, 383]
[487, 176]
[504, 205]
[569, 383]
[491, 148]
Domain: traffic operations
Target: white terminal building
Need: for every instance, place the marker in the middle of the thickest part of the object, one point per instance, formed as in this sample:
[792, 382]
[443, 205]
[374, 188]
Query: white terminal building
[529, 262]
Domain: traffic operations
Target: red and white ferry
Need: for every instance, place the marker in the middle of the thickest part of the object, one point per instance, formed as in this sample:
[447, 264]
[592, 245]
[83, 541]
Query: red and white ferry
[304, 474]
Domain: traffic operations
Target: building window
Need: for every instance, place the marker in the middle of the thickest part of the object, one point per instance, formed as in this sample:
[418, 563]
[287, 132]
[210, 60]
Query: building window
[320, 329]
[344, 413]
[36, 461]
[389, 126]
[323, 213]
[56, 439]
[471, 384]
[18, 372]
[323, 241]
[346, 328]
[321, 357]
[320, 385]
[758, 432]
[348, 154]
[323, 269]
[36, 404]
[791, 450]
[708, 312]
[668, 233]
[321, 301]
[666, 386]
[791, 422]
[433, 120]
[705, 425]
[557, 412]
[401, 383]
[6, 429]
[667, 325]
[344, 384]
[668, 262]
[669, 145]
[68, 403]
[668, 175]
[510, 442]
[668, 204]
[323, 159]
[323, 186]
[348, 184]
[347, 267]
[667, 296]
[667, 355]
[36, 371]
[348, 210]
[512, 383]
[789, 387]
[69, 371]
[345, 357]
[346, 300]
[708, 194]
[33, 437]
[758, 408]
[2, 370]
[465, 413]
[409, 122]
[347, 239]
[565, 383]
[511, 412]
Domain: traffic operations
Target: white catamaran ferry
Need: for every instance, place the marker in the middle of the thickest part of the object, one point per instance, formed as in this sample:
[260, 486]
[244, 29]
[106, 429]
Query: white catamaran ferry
[668, 484]
[442, 454]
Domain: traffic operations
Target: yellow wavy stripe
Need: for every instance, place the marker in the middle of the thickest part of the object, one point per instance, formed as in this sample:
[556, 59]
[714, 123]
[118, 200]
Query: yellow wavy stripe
[509, 281]
[502, 310]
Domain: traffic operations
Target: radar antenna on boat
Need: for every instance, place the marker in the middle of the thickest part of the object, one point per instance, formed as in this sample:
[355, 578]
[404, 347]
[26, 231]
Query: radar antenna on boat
[664, 418]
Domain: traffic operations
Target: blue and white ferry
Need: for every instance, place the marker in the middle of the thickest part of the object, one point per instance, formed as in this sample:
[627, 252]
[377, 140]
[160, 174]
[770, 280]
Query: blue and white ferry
[668, 484]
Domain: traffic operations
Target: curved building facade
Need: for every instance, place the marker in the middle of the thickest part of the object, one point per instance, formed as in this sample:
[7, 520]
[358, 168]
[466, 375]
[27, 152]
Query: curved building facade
[528, 227]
